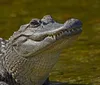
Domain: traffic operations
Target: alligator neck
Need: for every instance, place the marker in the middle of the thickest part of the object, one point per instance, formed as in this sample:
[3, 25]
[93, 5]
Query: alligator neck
[29, 71]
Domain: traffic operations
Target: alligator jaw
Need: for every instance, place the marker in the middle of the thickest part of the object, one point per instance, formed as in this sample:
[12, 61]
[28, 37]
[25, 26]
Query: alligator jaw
[70, 27]
[58, 37]
[65, 32]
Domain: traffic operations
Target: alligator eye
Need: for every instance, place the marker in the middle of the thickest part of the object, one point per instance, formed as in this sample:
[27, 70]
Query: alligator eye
[35, 22]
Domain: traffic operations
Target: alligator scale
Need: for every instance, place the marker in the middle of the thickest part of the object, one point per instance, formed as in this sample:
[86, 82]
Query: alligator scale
[31, 52]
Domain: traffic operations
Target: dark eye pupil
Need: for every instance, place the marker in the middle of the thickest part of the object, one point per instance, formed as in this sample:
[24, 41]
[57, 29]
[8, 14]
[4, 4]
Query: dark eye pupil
[34, 23]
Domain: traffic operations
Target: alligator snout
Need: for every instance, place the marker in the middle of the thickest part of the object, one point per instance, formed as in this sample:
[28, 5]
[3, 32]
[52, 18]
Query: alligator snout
[73, 23]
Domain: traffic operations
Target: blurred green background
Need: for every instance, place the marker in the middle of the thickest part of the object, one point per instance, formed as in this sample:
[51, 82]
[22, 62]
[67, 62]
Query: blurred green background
[79, 64]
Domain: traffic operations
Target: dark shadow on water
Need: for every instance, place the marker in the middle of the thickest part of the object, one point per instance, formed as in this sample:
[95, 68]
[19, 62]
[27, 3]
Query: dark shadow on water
[61, 83]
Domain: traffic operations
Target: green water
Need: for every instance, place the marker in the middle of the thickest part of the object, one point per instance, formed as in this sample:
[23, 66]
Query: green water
[78, 65]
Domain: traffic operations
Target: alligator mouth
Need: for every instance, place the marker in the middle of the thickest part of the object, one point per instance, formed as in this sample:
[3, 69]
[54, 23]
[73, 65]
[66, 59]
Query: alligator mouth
[65, 32]
[71, 27]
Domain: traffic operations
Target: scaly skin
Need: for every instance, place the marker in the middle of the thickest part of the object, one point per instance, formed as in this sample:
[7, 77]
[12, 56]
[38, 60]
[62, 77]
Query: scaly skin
[33, 50]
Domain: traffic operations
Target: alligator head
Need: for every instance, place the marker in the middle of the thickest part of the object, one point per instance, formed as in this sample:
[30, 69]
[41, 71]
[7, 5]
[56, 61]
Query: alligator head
[40, 41]
[40, 35]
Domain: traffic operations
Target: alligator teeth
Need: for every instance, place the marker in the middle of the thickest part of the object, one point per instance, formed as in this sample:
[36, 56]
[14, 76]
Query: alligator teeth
[54, 37]
[61, 33]
[16, 80]
[1, 54]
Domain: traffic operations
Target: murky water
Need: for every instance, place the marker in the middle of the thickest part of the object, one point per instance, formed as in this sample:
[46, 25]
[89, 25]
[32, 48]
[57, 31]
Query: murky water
[79, 64]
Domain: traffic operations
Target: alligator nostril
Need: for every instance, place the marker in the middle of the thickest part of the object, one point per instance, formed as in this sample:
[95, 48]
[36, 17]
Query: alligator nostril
[73, 23]
[78, 23]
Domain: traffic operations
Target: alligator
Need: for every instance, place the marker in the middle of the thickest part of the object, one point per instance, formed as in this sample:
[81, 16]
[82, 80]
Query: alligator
[29, 55]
